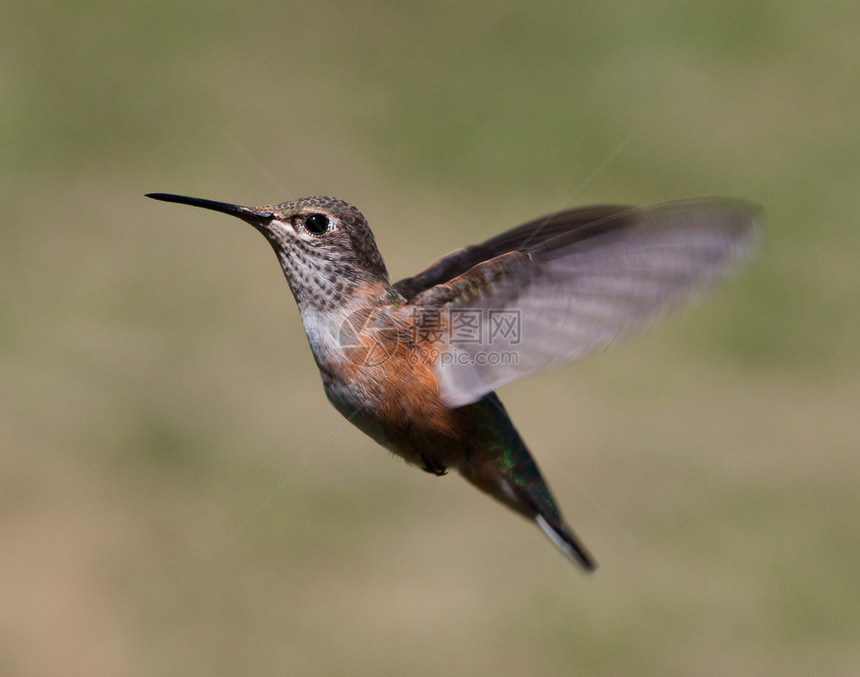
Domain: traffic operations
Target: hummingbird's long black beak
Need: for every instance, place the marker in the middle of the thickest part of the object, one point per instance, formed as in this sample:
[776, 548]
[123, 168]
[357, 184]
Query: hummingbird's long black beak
[245, 213]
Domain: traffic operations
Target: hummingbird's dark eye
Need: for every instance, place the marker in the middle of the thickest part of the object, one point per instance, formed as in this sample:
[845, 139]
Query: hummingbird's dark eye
[316, 224]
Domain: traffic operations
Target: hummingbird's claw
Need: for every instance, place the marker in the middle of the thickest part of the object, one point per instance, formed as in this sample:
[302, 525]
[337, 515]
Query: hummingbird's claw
[433, 467]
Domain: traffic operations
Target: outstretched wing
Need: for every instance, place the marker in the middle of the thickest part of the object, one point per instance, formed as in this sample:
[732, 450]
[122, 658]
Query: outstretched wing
[584, 286]
[525, 238]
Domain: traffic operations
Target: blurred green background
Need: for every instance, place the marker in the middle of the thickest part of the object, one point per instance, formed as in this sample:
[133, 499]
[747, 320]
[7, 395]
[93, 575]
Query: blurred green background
[156, 386]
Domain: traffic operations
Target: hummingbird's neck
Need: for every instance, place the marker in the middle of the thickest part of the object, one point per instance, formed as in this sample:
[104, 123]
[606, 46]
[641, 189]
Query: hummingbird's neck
[332, 327]
[331, 293]
[324, 285]
[347, 297]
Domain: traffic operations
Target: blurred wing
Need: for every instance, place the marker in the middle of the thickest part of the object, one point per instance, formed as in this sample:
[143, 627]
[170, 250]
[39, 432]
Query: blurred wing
[579, 290]
[522, 238]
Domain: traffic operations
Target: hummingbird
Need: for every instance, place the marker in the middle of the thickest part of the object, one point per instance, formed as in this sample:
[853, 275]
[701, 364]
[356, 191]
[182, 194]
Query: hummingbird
[415, 364]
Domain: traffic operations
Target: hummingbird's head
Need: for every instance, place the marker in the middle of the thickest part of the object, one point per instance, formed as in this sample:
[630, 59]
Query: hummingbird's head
[325, 246]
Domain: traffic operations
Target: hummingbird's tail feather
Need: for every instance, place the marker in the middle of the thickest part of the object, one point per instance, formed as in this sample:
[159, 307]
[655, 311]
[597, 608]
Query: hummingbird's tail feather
[527, 493]
[565, 541]
[535, 500]
[501, 465]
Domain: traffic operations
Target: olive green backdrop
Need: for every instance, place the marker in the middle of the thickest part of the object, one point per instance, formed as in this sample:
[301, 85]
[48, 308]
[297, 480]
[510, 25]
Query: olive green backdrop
[156, 387]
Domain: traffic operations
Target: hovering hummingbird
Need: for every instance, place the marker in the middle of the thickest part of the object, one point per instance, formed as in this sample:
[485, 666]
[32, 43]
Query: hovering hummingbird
[414, 364]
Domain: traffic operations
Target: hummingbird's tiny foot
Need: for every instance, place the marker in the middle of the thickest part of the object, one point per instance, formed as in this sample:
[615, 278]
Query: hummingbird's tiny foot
[433, 467]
